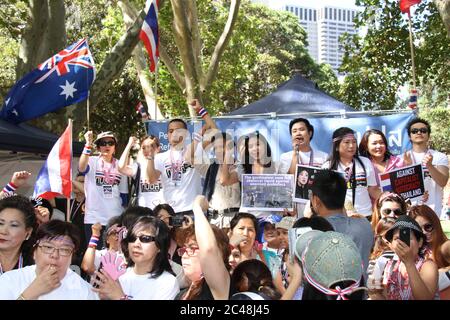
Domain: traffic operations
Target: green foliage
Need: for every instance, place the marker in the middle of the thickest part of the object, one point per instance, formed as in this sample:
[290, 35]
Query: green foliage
[380, 63]
[439, 119]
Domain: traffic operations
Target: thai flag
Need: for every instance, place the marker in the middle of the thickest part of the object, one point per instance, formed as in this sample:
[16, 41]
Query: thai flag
[150, 35]
[385, 182]
[141, 109]
[55, 177]
[412, 103]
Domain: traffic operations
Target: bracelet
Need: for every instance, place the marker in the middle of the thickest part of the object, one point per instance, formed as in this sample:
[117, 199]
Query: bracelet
[150, 158]
[202, 112]
[93, 242]
[125, 297]
[87, 150]
[10, 188]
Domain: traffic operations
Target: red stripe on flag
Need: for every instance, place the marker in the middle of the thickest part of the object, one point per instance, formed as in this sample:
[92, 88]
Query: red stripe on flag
[145, 40]
[65, 158]
[385, 176]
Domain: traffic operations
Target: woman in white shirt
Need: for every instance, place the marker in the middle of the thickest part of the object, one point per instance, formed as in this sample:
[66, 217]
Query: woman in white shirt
[358, 171]
[50, 278]
[149, 275]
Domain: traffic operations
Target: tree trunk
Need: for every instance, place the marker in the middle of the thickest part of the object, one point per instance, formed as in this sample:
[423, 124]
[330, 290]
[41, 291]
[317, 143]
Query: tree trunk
[129, 15]
[443, 7]
[32, 38]
[56, 36]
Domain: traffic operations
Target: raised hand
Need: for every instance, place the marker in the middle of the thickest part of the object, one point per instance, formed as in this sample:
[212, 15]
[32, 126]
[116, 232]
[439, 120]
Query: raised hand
[196, 105]
[89, 137]
[96, 229]
[133, 140]
[427, 160]
[113, 264]
[20, 177]
[42, 214]
[107, 287]
[202, 203]
[407, 160]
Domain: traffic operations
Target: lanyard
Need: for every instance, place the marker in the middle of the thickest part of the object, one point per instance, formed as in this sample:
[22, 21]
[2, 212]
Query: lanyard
[414, 158]
[311, 158]
[20, 264]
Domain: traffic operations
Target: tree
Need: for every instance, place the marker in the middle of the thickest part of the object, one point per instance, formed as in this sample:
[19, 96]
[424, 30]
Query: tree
[378, 64]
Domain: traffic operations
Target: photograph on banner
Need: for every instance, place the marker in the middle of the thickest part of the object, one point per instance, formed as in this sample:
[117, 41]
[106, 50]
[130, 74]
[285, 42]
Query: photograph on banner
[406, 181]
[304, 178]
[267, 192]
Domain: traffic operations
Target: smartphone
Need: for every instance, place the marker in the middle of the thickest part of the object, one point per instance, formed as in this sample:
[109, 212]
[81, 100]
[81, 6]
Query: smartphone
[293, 235]
[405, 235]
[94, 284]
[176, 221]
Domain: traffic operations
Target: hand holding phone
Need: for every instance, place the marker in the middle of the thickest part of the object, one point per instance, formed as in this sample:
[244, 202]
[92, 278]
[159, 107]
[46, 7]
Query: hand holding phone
[405, 235]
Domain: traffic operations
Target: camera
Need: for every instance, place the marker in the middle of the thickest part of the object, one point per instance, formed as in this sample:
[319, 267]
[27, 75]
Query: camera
[176, 221]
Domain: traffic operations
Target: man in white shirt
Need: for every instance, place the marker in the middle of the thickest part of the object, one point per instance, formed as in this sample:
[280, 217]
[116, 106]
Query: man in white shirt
[302, 133]
[434, 163]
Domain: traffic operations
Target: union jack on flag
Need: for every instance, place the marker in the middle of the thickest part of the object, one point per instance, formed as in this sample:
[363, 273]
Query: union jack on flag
[150, 34]
[58, 82]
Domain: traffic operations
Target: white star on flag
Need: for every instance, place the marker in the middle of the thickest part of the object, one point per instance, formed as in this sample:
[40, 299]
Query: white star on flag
[7, 101]
[68, 89]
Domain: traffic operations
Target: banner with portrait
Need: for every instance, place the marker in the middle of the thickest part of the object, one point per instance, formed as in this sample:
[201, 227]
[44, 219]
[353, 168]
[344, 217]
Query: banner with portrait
[304, 178]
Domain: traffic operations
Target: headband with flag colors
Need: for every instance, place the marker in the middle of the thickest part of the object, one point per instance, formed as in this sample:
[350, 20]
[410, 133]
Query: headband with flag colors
[58, 82]
[150, 35]
[55, 177]
[406, 4]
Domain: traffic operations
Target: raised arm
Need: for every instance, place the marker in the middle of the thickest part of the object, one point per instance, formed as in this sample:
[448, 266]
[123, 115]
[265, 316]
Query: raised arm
[88, 263]
[84, 159]
[438, 173]
[125, 158]
[18, 179]
[211, 261]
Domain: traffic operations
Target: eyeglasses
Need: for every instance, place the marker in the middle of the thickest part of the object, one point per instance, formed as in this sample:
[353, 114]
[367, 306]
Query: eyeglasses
[417, 130]
[63, 252]
[397, 212]
[189, 250]
[143, 238]
[107, 143]
[427, 227]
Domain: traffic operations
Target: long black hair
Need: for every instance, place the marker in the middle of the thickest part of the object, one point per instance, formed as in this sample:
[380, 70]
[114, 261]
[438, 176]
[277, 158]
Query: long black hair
[161, 262]
[248, 160]
[334, 157]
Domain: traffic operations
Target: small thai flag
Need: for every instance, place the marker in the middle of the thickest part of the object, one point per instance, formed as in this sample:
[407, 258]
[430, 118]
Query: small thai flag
[55, 176]
[141, 109]
[413, 99]
[385, 182]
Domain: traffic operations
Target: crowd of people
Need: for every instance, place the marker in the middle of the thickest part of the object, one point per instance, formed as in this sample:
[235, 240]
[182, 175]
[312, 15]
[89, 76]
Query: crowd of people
[168, 225]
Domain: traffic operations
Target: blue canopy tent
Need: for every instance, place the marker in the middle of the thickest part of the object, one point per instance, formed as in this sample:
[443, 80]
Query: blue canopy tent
[297, 95]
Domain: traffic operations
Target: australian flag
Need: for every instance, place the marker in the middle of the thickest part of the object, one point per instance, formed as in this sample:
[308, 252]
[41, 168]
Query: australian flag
[60, 81]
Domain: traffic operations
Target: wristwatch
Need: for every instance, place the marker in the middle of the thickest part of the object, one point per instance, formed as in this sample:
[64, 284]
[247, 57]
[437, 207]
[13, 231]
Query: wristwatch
[150, 158]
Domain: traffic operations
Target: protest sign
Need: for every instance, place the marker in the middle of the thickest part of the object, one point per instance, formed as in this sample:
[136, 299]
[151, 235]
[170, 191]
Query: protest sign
[304, 178]
[267, 192]
[407, 181]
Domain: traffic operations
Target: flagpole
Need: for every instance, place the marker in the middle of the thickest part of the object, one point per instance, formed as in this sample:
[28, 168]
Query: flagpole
[68, 198]
[87, 110]
[156, 91]
[412, 50]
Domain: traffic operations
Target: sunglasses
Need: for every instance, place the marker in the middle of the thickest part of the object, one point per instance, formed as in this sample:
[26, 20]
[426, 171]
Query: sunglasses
[143, 238]
[107, 143]
[397, 212]
[427, 227]
[189, 250]
[422, 130]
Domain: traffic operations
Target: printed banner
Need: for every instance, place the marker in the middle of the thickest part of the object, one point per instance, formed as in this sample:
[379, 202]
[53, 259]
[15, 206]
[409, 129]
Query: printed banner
[267, 192]
[407, 181]
[276, 131]
[304, 179]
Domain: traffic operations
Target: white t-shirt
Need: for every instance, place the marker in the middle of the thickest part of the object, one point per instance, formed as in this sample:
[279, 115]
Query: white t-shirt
[182, 183]
[142, 287]
[150, 195]
[103, 199]
[318, 159]
[363, 204]
[435, 191]
[73, 287]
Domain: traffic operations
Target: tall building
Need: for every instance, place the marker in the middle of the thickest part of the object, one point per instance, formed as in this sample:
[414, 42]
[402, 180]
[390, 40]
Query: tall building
[324, 25]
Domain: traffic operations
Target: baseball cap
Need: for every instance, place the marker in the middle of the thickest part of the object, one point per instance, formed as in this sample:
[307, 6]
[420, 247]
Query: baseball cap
[286, 223]
[332, 257]
[105, 134]
[303, 241]
[403, 222]
[272, 219]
